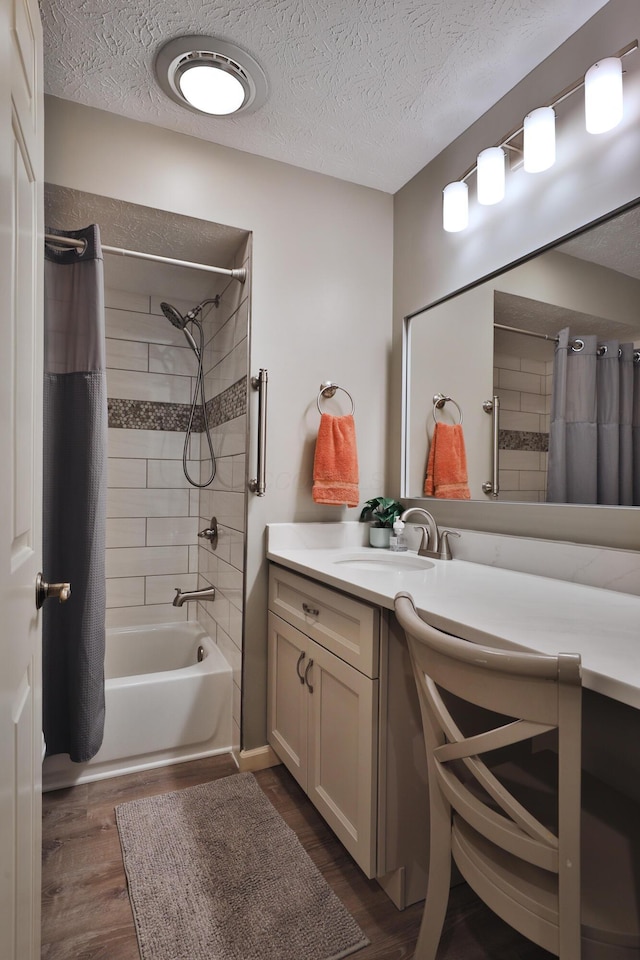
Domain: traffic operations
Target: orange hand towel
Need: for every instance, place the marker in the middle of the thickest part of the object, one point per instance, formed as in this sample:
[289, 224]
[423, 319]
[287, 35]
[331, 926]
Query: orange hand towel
[447, 464]
[335, 465]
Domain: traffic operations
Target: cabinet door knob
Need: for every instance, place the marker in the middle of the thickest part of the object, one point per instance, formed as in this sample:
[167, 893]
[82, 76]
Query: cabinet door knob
[306, 676]
[300, 675]
[311, 611]
[50, 591]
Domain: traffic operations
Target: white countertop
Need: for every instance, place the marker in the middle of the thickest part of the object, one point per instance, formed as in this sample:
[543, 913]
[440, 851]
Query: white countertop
[492, 605]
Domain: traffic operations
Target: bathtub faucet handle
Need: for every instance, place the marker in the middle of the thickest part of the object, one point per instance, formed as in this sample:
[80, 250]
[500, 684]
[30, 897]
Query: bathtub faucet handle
[210, 533]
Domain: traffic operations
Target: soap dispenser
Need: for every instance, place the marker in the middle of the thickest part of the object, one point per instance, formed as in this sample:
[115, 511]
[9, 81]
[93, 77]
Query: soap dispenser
[397, 540]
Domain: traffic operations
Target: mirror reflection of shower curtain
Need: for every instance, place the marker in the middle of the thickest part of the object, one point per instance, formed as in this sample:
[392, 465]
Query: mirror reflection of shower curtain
[74, 507]
[594, 436]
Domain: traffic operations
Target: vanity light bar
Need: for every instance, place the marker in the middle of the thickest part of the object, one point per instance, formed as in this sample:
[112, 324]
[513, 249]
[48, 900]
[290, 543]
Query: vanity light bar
[603, 111]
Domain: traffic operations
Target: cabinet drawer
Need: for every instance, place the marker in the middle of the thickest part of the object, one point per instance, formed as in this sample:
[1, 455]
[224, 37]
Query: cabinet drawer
[346, 627]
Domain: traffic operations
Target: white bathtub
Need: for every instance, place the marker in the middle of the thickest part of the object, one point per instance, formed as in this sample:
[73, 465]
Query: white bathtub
[162, 704]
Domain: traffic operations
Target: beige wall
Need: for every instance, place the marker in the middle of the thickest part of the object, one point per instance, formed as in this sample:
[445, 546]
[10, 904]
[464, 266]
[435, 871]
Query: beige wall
[321, 305]
[592, 176]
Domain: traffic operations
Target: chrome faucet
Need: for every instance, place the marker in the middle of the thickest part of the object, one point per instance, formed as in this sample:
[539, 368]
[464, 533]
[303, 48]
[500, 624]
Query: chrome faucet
[206, 593]
[434, 544]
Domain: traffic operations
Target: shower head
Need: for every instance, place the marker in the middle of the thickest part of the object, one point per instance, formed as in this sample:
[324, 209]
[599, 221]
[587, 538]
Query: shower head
[175, 317]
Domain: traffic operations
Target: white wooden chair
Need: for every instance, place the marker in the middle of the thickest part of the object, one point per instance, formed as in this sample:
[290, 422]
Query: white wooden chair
[570, 883]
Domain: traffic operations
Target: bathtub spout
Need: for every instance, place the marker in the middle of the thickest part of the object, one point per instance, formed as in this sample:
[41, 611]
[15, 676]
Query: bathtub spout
[207, 593]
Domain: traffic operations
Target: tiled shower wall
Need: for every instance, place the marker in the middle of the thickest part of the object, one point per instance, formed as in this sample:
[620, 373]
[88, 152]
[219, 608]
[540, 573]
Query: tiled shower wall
[524, 388]
[153, 514]
[226, 366]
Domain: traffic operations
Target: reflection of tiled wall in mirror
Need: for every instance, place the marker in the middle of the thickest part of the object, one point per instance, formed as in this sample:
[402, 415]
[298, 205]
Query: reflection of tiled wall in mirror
[524, 388]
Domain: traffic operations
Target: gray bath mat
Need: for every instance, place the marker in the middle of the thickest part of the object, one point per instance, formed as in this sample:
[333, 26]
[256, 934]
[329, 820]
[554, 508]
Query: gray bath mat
[214, 873]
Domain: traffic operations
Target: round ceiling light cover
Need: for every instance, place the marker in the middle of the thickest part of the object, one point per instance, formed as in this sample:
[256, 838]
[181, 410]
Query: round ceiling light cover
[210, 76]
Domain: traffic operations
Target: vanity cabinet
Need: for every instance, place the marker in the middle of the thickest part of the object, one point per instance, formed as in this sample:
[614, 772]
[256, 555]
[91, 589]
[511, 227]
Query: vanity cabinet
[343, 717]
[322, 709]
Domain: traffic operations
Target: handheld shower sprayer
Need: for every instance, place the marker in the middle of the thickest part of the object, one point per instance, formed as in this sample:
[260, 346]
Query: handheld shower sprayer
[174, 317]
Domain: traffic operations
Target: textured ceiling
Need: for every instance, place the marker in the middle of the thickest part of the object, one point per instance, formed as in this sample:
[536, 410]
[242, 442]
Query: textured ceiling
[365, 90]
[136, 227]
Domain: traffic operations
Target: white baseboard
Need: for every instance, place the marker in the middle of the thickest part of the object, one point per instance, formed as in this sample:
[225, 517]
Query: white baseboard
[257, 759]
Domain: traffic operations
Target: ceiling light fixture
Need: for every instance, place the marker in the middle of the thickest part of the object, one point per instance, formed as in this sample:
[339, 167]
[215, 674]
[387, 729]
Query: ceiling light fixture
[603, 111]
[210, 76]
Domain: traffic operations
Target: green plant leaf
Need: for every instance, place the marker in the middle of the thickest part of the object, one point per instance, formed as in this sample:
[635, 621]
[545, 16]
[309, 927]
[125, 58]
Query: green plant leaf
[383, 511]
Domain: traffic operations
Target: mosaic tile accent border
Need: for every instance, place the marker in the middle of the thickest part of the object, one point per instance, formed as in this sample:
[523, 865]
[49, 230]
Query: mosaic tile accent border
[523, 440]
[155, 415]
[229, 404]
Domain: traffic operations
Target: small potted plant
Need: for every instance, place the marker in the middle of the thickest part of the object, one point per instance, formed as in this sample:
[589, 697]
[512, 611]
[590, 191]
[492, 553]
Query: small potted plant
[380, 513]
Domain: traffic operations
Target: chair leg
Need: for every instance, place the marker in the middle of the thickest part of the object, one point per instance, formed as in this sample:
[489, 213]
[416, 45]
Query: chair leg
[439, 882]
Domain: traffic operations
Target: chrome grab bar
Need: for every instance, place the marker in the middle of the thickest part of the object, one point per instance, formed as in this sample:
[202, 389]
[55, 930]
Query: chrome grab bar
[493, 407]
[259, 484]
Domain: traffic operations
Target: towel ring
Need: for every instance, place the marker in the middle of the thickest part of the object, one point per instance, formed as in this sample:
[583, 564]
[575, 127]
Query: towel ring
[328, 390]
[439, 401]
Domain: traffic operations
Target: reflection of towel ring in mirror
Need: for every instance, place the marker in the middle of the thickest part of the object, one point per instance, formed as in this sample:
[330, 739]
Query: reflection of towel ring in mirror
[328, 390]
[439, 401]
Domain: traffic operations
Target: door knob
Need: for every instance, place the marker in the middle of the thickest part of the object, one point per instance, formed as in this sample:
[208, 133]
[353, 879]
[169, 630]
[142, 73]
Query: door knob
[50, 591]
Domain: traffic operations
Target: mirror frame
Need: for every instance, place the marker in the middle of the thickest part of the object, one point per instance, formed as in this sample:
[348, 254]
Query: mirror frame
[616, 527]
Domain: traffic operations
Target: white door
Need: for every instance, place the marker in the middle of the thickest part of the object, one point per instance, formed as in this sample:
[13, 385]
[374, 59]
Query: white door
[21, 176]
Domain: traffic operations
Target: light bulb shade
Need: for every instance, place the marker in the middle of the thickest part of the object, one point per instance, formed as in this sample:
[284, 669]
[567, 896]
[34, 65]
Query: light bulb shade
[207, 75]
[210, 89]
[539, 140]
[491, 175]
[603, 95]
[455, 207]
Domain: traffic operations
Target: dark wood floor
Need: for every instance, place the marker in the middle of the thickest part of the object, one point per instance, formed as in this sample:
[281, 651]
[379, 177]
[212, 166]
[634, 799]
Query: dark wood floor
[85, 906]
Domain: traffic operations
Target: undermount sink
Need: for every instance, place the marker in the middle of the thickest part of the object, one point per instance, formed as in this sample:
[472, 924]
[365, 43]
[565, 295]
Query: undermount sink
[386, 562]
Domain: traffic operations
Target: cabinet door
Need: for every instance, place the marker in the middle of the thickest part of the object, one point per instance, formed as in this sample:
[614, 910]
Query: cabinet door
[342, 776]
[288, 696]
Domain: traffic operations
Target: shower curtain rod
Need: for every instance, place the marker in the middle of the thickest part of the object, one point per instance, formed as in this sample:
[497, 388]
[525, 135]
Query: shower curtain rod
[527, 333]
[239, 273]
[545, 336]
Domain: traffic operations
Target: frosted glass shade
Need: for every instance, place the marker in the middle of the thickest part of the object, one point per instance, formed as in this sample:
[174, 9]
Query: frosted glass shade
[603, 95]
[455, 207]
[539, 140]
[491, 175]
[212, 90]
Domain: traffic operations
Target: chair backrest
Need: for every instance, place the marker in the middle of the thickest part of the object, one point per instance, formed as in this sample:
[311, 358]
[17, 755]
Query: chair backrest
[534, 694]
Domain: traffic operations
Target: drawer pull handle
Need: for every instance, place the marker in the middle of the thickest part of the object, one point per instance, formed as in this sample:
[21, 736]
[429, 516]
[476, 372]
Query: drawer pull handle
[306, 676]
[311, 611]
[300, 676]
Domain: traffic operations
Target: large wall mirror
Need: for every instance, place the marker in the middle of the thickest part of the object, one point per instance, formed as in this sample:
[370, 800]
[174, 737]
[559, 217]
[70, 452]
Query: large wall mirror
[466, 348]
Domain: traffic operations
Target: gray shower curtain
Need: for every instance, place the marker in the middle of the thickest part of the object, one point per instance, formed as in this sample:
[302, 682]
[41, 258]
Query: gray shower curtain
[594, 437]
[74, 506]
